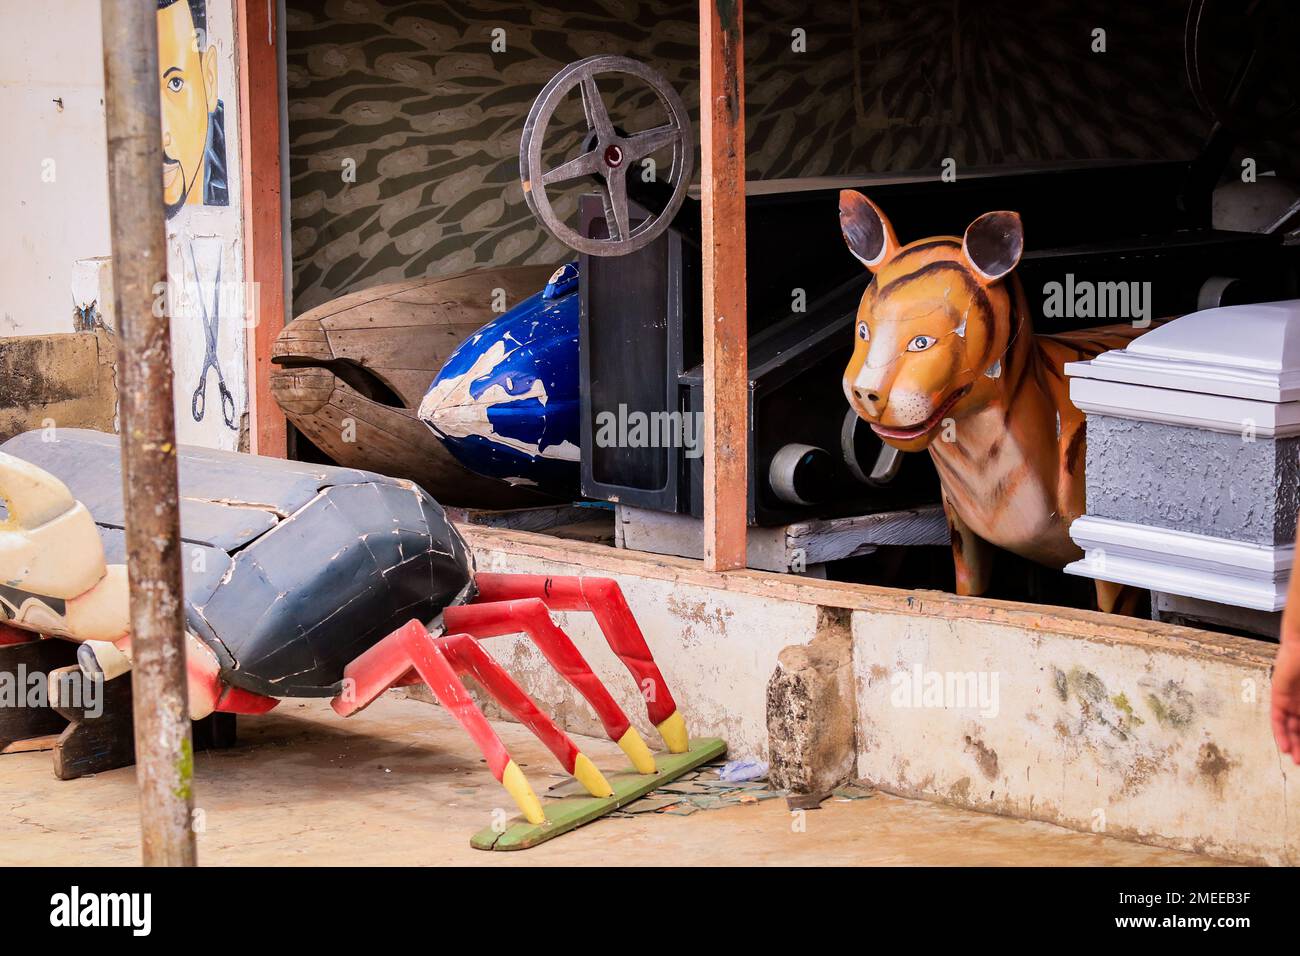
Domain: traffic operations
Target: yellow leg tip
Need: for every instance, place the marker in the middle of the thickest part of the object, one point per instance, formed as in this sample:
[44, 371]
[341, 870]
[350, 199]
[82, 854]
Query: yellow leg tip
[591, 778]
[517, 786]
[673, 731]
[642, 759]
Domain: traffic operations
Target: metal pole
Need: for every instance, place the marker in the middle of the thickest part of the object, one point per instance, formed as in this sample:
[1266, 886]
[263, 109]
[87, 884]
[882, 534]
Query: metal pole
[163, 750]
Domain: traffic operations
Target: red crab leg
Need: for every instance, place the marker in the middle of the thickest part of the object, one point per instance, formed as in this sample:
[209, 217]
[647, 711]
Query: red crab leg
[412, 648]
[384, 665]
[467, 657]
[530, 615]
[604, 599]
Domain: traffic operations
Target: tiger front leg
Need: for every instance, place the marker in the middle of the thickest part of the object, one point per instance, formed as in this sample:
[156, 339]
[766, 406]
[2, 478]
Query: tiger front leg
[1123, 599]
[972, 556]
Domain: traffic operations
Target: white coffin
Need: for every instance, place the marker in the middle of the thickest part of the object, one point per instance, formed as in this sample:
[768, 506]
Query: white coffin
[1233, 370]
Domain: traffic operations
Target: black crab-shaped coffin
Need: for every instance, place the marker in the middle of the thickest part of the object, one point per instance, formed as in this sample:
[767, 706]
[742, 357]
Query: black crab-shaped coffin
[291, 569]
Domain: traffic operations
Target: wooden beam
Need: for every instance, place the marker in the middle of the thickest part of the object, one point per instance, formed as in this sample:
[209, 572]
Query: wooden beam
[259, 149]
[726, 335]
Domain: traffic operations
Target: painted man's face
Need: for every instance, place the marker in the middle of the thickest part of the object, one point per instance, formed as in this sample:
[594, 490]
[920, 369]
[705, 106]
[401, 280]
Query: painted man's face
[189, 95]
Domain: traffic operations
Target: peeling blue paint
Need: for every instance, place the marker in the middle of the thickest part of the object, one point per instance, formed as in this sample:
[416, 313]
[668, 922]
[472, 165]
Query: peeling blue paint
[516, 418]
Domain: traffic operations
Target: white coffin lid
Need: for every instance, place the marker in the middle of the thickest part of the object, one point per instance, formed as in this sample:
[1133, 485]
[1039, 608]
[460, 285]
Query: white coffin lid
[1234, 361]
[1243, 351]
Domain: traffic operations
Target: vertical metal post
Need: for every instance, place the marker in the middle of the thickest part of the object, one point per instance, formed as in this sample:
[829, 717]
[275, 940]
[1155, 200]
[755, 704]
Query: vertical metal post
[726, 334]
[163, 749]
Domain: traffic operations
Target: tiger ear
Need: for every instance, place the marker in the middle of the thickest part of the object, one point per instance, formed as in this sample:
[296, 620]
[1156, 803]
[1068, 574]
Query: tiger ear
[993, 245]
[867, 232]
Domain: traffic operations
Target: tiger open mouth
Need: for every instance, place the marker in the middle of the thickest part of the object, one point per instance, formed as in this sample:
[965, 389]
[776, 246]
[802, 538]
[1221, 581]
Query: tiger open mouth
[925, 427]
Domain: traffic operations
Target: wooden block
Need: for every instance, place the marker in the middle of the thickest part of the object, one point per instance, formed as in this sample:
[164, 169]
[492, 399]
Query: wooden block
[18, 662]
[31, 745]
[83, 744]
[542, 518]
[107, 741]
[572, 812]
[802, 545]
[832, 539]
[215, 732]
[99, 743]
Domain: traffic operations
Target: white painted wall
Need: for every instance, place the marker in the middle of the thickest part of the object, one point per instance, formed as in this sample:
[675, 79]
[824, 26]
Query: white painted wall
[53, 176]
[54, 203]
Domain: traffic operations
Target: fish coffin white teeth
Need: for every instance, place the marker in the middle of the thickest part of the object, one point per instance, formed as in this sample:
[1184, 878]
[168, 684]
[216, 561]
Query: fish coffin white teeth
[995, 370]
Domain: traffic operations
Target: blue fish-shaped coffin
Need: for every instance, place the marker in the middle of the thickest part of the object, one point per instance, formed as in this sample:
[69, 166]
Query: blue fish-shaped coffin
[506, 402]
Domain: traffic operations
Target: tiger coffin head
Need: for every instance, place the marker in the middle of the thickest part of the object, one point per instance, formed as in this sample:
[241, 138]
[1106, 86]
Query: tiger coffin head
[932, 328]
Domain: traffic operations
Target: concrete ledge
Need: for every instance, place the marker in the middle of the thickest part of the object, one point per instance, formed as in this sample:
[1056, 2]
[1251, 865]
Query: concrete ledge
[1149, 731]
[64, 380]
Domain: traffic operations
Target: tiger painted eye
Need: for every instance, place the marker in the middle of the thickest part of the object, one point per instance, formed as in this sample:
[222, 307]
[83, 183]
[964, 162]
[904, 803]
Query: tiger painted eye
[864, 333]
[921, 343]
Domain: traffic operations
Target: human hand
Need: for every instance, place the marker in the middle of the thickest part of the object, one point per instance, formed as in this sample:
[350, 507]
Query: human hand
[1285, 705]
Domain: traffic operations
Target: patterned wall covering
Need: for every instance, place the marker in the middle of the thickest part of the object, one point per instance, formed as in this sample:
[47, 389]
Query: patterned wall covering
[412, 92]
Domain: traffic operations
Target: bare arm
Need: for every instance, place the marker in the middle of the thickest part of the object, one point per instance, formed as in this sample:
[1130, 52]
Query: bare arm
[1285, 708]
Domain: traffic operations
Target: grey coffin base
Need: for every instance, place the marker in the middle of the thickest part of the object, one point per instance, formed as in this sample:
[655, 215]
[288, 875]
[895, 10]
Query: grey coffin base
[1177, 609]
[1188, 479]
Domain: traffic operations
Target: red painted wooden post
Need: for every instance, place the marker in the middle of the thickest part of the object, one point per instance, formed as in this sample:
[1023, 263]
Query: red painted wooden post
[259, 142]
[726, 337]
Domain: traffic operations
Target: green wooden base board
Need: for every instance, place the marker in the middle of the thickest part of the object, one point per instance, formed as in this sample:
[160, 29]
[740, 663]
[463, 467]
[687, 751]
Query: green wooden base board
[570, 813]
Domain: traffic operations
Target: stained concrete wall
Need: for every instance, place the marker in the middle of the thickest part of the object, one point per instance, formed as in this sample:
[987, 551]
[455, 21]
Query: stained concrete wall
[1155, 741]
[1137, 729]
[57, 381]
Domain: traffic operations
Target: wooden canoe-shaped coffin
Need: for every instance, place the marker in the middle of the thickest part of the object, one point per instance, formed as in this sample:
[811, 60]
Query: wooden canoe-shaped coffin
[350, 375]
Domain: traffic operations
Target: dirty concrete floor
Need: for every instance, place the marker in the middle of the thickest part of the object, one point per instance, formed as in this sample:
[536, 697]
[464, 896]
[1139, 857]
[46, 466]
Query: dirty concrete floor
[401, 784]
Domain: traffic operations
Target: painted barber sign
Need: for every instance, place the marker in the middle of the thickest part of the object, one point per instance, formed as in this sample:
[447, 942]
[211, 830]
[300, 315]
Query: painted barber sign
[206, 294]
[193, 115]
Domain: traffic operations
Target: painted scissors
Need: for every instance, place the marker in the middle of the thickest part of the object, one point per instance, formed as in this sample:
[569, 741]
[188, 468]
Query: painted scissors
[211, 322]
